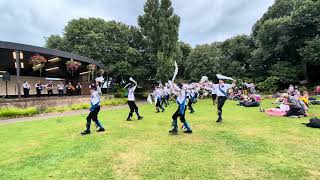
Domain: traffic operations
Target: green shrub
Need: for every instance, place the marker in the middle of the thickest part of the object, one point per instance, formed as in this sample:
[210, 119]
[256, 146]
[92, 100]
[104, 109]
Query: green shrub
[270, 85]
[18, 112]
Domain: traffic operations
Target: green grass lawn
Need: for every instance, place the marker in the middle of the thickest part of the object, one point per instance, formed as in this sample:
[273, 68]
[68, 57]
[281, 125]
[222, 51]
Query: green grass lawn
[248, 145]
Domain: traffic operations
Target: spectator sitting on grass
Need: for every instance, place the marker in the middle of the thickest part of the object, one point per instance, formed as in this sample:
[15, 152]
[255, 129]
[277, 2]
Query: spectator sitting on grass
[296, 109]
[250, 101]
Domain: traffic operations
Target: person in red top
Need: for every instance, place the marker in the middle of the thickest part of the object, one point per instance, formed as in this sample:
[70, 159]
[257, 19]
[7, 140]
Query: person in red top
[317, 90]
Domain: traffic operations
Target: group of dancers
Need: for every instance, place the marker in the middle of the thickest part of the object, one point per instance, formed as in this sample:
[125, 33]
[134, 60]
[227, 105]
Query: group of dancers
[185, 96]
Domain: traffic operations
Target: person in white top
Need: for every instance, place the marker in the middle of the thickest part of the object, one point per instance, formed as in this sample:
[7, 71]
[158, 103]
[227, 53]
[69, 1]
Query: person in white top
[158, 93]
[221, 90]
[60, 89]
[26, 89]
[131, 99]
[180, 92]
[94, 111]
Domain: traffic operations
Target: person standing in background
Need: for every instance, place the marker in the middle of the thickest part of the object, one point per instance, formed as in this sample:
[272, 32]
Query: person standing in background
[50, 87]
[39, 88]
[78, 88]
[60, 89]
[26, 89]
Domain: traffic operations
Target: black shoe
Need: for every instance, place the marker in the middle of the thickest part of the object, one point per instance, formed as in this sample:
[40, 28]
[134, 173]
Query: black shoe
[188, 131]
[140, 117]
[101, 130]
[173, 131]
[129, 119]
[219, 120]
[162, 110]
[85, 132]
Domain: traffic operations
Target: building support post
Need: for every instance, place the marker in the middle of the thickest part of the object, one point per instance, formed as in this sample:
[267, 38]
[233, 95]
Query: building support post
[18, 72]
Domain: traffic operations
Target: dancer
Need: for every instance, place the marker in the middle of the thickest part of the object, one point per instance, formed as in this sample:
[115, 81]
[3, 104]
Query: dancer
[221, 91]
[158, 93]
[132, 105]
[94, 110]
[191, 100]
[181, 101]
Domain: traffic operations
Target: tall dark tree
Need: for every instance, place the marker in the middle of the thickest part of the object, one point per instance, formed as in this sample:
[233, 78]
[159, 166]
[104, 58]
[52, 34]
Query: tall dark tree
[160, 26]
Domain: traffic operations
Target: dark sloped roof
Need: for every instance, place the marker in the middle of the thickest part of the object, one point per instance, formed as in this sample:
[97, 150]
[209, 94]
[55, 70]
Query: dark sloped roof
[53, 52]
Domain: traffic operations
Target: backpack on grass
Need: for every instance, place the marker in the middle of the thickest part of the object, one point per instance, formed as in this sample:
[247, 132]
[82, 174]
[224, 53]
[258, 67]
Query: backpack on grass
[314, 123]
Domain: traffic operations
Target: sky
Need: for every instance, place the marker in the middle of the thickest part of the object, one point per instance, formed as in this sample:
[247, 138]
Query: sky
[202, 21]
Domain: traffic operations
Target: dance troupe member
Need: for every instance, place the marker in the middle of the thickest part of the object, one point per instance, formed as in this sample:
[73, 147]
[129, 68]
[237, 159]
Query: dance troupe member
[180, 93]
[158, 94]
[132, 105]
[221, 90]
[94, 110]
[192, 96]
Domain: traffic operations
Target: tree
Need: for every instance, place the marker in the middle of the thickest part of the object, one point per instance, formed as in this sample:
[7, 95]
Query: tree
[160, 26]
[120, 47]
[203, 61]
[54, 42]
[283, 31]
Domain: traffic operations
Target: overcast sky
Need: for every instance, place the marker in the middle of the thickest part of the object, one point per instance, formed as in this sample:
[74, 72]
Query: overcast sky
[202, 21]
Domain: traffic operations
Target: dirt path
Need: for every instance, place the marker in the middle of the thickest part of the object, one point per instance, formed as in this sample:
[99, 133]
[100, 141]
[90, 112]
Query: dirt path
[59, 114]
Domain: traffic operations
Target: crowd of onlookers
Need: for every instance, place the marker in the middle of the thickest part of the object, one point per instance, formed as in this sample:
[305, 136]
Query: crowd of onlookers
[292, 103]
[49, 88]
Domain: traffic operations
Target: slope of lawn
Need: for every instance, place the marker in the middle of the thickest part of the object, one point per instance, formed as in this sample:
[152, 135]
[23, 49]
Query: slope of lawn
[248, 145]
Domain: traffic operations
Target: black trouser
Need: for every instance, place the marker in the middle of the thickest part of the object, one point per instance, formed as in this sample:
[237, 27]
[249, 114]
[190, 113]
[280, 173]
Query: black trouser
[69, 92]
[214, 98]
[221, 101]
[190, 105]
[158, 105]
[294, 111]
[38, 93]
[50, 92]
[60, 92]
[181, 116]
[78, 91]
[250, 104]
[133, 108]
[26, 92]
[93, 115]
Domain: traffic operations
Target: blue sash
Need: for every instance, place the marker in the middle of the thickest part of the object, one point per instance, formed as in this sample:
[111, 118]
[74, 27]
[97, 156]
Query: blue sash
[182, 106]
[224, 93]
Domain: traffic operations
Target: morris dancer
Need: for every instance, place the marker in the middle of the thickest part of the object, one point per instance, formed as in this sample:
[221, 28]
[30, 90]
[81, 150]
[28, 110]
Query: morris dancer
[158, 93]
[181, 101]
[94, 110]
[221, 91]
[192, 99]
[132, 105]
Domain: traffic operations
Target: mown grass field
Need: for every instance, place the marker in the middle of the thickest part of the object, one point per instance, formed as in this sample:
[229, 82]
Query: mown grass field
[248, 145]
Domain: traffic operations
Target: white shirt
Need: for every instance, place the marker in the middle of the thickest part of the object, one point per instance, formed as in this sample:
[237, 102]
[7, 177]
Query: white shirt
[60, 86]
[181, 97]
[131, 93]
[223, 87]
[95, 98]
[26, 86]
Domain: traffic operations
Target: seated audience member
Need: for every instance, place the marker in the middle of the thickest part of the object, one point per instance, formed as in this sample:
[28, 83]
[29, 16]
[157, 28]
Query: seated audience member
[305, 98]
[250, 101]
[281, 110]
[296, 109]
